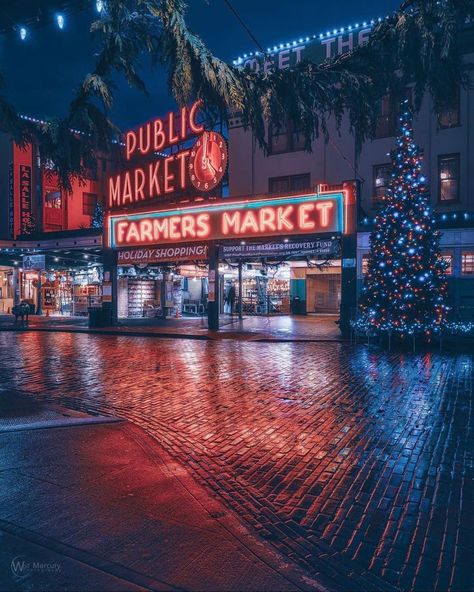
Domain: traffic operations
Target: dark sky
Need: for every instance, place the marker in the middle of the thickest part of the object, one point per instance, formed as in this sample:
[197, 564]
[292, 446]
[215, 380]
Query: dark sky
[42, 72]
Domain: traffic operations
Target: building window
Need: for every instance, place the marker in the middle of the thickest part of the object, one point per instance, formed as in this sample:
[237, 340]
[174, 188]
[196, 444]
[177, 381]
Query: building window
[89, 201]
[448, 174]
[467, 262]
[52, 199]
[90, 171]
[386, 124]
[450, 113]
[449, 260]
[285, 138]
[289, 183]
[382, 174]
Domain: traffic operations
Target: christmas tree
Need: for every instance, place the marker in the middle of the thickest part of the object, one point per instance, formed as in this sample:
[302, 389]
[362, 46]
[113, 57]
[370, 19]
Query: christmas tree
[98, 216]
[405, 286]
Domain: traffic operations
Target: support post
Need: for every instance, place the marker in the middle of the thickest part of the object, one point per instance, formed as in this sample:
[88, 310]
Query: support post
[213, 297]
[240, 289]
[39, 308]
[16, 286]
[164, 275]
[349, 257]
[109, 258]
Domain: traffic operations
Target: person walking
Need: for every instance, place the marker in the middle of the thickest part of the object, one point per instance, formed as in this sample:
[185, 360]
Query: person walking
[230, 299]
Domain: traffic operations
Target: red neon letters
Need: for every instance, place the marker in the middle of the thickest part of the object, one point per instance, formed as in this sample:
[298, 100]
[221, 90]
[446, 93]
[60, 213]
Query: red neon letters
[161, 176]
[161, 133]
[291, 217]
[155, 179]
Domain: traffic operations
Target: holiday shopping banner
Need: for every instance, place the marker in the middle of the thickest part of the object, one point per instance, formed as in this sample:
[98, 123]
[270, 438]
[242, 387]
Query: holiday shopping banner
[194, 252]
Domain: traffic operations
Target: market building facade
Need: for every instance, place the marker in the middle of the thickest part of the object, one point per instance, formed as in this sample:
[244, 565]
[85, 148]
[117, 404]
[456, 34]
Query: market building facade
[177, 245]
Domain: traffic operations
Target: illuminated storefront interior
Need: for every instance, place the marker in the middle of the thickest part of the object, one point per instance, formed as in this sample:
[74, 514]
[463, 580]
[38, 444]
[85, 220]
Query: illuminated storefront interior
[66, 282]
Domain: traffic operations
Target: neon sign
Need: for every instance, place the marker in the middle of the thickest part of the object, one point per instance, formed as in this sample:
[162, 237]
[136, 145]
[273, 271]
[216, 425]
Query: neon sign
[304, 214]
[203, 165]
[162, 133]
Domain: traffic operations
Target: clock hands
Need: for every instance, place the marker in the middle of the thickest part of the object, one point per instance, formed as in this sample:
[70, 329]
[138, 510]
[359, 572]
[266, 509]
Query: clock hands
[206, 162]
[205, 159]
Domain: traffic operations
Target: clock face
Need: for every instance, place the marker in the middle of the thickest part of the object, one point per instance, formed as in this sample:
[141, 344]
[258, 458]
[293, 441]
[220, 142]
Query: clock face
[208, 161]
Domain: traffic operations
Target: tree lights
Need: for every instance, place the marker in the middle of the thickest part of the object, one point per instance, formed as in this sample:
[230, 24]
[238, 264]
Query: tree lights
[405, 287]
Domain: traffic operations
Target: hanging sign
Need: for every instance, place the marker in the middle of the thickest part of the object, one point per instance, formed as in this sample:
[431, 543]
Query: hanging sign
[305, 214]
[11, 202]
[193, 252]
[25, 196]
[34, 262]
[317, 248]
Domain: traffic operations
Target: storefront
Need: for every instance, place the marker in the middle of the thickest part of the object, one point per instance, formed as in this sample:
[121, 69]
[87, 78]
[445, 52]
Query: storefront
[7, 289]
[61, 276]
[160, 283]
[300, 276]
[245, 254]
[174, 247]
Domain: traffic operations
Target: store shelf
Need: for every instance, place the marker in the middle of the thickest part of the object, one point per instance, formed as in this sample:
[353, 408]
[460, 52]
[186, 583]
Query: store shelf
[139, 291]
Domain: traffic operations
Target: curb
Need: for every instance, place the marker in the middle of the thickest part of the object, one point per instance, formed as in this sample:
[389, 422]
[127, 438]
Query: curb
[105, 332]
[254, 338]
[70, 422]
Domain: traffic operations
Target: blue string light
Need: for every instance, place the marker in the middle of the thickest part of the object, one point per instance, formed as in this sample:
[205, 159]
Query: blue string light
[239, 60]
[405, 286]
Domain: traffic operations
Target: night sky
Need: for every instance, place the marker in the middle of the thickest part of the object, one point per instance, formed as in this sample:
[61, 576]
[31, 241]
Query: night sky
[42, 72]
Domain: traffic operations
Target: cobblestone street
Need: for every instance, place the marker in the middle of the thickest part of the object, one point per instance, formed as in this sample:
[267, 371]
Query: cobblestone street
[347, 460]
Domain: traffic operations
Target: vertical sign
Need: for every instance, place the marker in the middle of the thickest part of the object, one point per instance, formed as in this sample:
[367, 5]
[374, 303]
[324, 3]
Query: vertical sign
[11, 202]
[211, 296]
[25, 196]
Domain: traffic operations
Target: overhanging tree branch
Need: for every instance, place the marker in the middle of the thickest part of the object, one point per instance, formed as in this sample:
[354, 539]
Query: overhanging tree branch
[419, 44]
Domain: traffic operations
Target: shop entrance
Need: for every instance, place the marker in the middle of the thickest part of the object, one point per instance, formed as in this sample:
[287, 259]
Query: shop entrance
[151, 291]
[306, 281]
[323, 292]
[265, 288]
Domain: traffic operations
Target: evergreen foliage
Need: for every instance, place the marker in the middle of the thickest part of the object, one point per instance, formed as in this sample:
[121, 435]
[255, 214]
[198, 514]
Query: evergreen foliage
[420, 42]
[98, 216]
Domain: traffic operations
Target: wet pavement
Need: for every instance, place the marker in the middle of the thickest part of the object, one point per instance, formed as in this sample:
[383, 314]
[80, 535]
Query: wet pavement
[349, 461]
[100, 506]
[274, 328]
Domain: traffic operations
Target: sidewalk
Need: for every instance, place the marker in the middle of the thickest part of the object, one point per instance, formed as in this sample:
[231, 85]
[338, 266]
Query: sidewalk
[95, 504]
[271, 328]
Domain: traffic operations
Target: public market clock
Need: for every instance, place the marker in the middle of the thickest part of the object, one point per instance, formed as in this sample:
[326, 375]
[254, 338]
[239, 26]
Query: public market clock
[208, 161]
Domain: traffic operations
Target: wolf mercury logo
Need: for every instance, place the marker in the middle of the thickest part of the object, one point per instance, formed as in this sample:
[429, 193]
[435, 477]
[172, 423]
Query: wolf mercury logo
[21, 567]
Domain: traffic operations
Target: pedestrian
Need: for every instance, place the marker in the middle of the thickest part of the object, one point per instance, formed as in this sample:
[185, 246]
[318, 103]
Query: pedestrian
[230, 299]
[21, 310]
